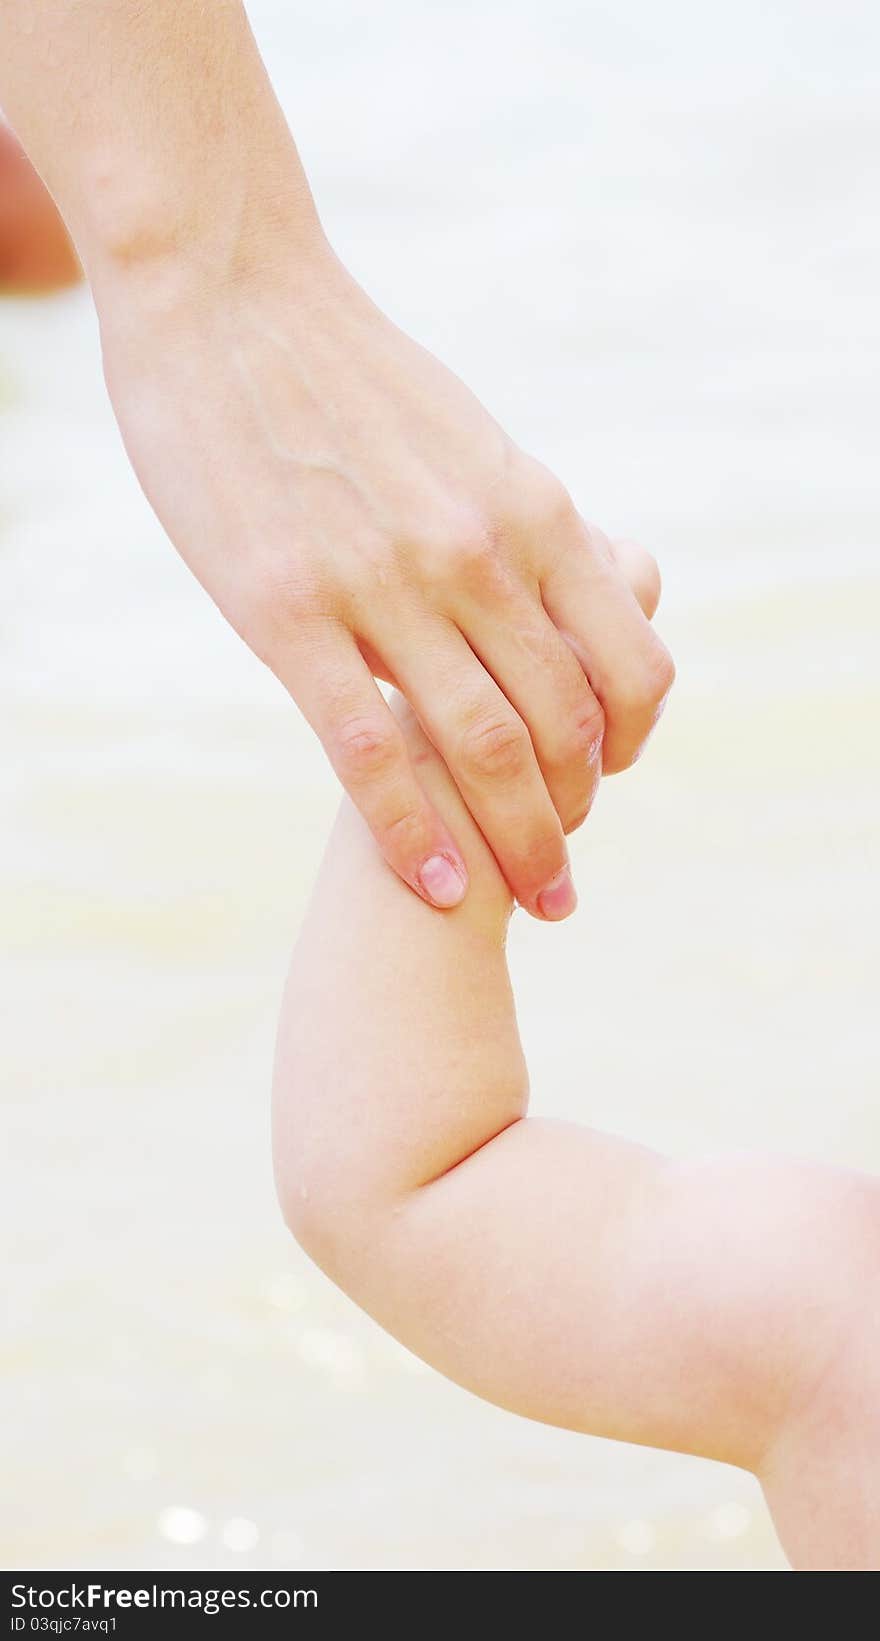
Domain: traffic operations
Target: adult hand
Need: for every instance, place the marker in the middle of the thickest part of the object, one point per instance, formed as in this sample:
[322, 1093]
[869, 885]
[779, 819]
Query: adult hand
[354, 511]
[350, 506]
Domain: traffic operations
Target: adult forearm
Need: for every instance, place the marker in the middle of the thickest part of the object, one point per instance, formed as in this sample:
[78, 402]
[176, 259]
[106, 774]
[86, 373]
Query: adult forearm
[156, 129]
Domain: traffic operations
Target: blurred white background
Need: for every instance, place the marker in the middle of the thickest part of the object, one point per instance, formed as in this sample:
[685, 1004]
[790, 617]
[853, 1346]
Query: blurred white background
[648, 236]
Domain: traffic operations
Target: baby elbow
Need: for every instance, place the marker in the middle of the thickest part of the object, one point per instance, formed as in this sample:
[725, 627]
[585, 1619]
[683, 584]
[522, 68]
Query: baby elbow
[295, 1201]
[308, 1203]
[321, 1203]
[331, 1187]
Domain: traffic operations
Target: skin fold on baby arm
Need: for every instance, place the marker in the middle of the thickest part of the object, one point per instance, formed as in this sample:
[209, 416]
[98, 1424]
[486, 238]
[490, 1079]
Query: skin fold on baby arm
[727, 1307]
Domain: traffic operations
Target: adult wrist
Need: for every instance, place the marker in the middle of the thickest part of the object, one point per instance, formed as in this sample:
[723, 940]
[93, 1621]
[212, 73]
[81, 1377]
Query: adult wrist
[169, 240]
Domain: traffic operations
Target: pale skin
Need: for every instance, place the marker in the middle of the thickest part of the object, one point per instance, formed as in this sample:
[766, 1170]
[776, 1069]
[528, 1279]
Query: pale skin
[355, 512]
[346, 501]
[728, 1308]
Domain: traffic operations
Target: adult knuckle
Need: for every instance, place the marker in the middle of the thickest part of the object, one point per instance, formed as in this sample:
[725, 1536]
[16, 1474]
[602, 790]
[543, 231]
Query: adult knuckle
[583, 742]
[581, 758]
[286, 599]
[650, 683]
[650, 567]
[577, 740]
[494, 747]
[545, 500]
[637, 709]
[559, 513]
[364, 748]
[273, 609]
[472, 555]
[663, 672]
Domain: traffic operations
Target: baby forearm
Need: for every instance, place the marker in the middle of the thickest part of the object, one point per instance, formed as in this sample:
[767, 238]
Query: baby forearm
[398, 1053]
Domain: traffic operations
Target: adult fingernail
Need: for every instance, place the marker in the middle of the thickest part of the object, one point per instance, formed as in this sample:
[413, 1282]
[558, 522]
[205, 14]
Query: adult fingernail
[559, 898]
[443, 883]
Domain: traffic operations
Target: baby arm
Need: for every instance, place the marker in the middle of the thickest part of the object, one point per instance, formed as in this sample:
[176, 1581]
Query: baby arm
[565, 1274]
